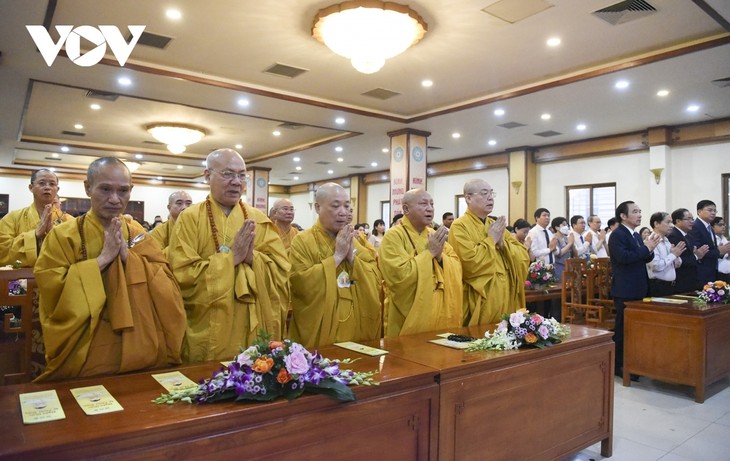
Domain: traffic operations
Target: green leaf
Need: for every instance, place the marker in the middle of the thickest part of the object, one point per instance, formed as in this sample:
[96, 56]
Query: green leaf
[332, 389]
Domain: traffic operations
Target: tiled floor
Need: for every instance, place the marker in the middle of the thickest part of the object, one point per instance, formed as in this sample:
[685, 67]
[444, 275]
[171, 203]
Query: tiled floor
[659, 421]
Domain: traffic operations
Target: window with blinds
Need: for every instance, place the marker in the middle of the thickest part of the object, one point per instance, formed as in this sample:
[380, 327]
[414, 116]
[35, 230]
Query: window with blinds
[585, 200]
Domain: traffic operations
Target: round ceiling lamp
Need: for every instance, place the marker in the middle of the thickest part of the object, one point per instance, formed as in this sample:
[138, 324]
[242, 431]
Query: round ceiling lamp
[368, 32]
[176, 136]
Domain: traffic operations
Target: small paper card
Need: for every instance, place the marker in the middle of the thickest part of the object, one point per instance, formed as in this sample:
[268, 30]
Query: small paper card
[361, 348]
[669, 300]
[174, 381]
[95, 400]
[40, 407]
[452, 344]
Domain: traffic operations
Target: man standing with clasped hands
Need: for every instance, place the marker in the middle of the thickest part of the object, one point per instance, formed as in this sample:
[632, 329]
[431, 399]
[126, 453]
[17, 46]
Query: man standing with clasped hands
[231, 266]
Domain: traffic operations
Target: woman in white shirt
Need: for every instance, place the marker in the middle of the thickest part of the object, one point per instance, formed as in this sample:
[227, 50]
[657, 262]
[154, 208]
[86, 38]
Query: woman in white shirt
[377, 235]
[563, 249]
[723, 264]
[661, 271]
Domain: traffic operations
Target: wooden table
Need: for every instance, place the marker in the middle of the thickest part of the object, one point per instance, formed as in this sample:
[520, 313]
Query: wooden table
[402, 409]
[524, 404]
[677, 343]
[552, 292]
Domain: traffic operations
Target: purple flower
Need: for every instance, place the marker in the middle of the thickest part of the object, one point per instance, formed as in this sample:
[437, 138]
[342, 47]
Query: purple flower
[296, 362]
[543, 332]
[516, 319]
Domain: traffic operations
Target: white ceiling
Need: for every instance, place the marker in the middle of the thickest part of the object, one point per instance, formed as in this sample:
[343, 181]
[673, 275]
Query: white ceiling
[219, 51]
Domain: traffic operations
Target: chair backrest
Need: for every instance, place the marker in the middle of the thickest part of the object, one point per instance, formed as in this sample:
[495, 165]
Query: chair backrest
[573, 288]
[17, 335]
[602, 278]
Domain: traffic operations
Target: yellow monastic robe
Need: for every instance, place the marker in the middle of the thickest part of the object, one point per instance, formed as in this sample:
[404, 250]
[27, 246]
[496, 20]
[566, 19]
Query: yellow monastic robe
[324, 310]
[423, 294]
[288, 236]
[17, 235]
[227, 305]
[163, 233]
[363, 240]
[494, 278]
[129, 317]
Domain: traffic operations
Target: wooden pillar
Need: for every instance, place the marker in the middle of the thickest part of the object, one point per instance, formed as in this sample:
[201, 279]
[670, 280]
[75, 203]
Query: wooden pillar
[358, 199]
[522, 184]
[408, 148]
[658, 140]
[257, 188]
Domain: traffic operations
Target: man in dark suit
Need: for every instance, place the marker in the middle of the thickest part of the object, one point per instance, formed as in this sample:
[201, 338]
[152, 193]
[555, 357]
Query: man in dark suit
[702, 234]
[629, 255]
[687, 280]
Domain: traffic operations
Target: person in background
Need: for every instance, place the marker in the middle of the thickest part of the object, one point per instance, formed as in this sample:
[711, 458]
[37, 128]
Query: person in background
[282, 215]
[644, 232]
[542, 242]
[377, 235]
[610, 227]
[446, 219]
[661, 269]
[176, 203]
[396, 219]
[686, 273]
[598, 237]
[702, 234]
[564, 247]
[22, 231]
[520, 229]
[723, 264]
[581, 239]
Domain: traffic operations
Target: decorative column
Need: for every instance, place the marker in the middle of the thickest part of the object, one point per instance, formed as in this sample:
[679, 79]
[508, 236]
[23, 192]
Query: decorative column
[358, 199]
[257, 188]
[658, 140]
[408, 149]
[523, 184]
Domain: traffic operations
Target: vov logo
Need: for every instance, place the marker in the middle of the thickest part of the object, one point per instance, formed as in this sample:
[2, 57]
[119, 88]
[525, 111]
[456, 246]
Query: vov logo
[101, 37]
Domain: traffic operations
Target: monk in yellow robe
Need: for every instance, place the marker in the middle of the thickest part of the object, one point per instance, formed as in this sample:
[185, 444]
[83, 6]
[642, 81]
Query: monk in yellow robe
[282, 215]
[108, 300]
[335, 281]
[176, 203]
[231, 266]
[421, 271]
[22, 231]
[494, 263]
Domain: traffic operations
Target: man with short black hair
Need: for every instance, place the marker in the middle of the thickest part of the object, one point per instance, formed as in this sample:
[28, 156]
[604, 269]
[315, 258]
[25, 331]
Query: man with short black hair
[582, 240]
[542, 241]
[686, 280]
[702, 234]
[446, 219]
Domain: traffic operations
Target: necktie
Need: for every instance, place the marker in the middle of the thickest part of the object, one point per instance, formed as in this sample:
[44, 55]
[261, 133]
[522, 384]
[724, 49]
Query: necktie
[712, 236]
[637, 237]
[581, 239]
[547, 240]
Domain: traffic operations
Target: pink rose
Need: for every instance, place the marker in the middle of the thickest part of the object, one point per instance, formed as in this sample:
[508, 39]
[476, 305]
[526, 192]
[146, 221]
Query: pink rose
[296, 363]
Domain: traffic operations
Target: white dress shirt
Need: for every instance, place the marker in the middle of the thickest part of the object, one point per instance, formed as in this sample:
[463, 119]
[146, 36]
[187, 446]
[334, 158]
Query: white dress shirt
[601, 252]
[664, 262]
[539, 246]
[581, 246]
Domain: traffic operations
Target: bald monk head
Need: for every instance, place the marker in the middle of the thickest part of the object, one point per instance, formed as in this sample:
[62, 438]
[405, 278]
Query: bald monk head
[418, 208]
[479, 197]
[282, 213]
[44, 187]
[332, 204]
[177, 202]
[109, 185]
[226, 174]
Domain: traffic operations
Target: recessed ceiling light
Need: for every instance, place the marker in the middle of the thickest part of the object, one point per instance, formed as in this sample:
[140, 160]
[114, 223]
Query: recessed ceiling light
[243, 102]
[456, 135]
[693, 108]
[499, 112]
[621, 84]
[340, 159]
[546, 116]
[662, 93]
[330, 171]
[298, 168]
[580, 127]
[373, 163]
[276, 133]
[296, 178]
[55, 155]
[339, 120]
[492, 142]
[385, 150]
[204, 163]
[173, 14]
[95, 106]
[296, 159]
[179, 167]
[553, 41]
[79, 126]
[125, 81]
[159, 178]
[64, 149]
[52, 169]
[427, 83]
[338, 149]
[138, 156]
[239, 146]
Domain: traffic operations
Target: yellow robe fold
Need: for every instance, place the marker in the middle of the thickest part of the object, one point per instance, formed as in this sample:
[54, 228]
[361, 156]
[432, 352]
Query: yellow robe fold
[423, 295]
[494, 278]
[323, 312]
[129, 317]
[286, 237]
[17, 235]
[227, 305]
[163, 234]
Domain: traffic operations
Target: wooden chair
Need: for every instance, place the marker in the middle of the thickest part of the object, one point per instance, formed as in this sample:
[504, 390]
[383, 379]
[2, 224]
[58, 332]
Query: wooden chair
[602, 279]
[580, 294]
[574, 291]
[16, 337]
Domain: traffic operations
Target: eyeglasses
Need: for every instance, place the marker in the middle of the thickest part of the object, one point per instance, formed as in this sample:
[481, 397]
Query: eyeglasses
[485, 193]
[228, 175]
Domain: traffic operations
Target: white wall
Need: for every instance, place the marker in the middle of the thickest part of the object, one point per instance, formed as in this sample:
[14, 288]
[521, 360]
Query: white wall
[377, 193]
[444, 190]
[695, 174]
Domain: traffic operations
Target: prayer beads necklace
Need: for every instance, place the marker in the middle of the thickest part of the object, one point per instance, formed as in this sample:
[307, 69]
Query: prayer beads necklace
[214, 230]
[80, 224]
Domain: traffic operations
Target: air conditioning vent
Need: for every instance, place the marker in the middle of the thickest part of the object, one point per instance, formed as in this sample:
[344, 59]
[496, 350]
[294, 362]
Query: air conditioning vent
[153, 40]
[513, 11]
[357, 167]
[53, 159]
[103, 95]
[381, 93]
[625, 11]
[322, 162]
[434, 148]
[510, 125]
[156, 143]
[547, 134]
[283, 70]
[73, 133]
[722, 82]
[291, 126]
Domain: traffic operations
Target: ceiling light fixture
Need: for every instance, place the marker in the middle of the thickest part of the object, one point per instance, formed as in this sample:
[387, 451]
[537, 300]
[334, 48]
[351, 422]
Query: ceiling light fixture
[368, 32]
[177, 136]
[662, 93]
[132, 166]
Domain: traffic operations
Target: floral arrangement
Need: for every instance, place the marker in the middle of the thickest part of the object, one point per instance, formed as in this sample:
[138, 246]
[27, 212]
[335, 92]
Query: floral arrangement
[539, 273]
[715, 292]
[270, 369]
[590, 260]
[522, 328]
